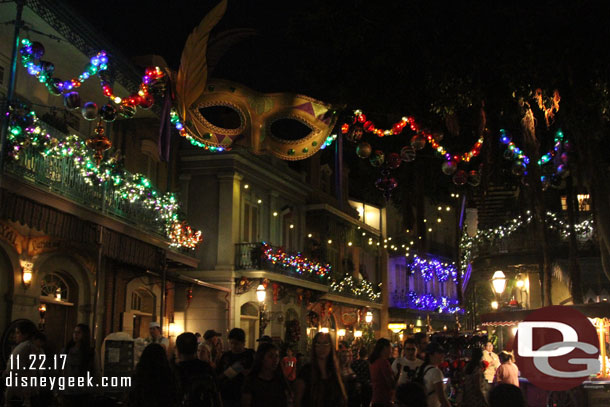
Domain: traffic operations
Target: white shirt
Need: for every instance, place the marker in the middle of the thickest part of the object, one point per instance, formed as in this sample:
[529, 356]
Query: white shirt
[161, 341]
[493, 363]
[407, 369]
[433, 376]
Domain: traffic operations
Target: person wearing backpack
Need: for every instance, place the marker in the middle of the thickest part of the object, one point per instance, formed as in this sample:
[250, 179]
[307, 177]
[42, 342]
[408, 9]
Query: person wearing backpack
[431, 377]
[196, 377]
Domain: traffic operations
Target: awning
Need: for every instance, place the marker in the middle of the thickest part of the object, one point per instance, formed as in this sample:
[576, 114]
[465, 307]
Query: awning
[508, 318]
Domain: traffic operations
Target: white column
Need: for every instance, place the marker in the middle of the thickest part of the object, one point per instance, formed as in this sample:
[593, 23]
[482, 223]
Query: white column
[229, 217]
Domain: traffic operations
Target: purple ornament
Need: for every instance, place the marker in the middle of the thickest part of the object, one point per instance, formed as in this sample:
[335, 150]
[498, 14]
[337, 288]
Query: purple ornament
[449, 167]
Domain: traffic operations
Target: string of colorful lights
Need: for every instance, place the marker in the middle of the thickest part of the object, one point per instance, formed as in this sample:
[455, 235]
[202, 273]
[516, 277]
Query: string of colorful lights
[153, 82]
[294, 262]
[25, 131]
[521, 160]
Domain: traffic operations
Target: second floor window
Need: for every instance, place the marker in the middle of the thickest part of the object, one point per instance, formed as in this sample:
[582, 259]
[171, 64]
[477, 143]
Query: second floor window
[251, 223]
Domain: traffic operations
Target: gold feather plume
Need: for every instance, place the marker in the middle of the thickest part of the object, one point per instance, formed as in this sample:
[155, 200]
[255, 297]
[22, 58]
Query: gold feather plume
[193, 72]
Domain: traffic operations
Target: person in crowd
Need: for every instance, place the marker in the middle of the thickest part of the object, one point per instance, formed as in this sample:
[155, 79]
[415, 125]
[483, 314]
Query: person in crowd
[422, 341]
[195, 377]
[404, 368]
[289, 366]
[410, 394]
[382, 379]
[492, 361]
[348, 376]
[264, 339]
[154, 383]
[40, 341]
[342, 346]
[506, 395]
[79, 362]
[361, 367]
[16, 396]
[233, 367]
[208, 351]
[394, 354]
[199, 339]
[432, 377]
[508, 371]
[475, 386]
[154, 328]
[265, 385]
[319, 382]
[300, 360]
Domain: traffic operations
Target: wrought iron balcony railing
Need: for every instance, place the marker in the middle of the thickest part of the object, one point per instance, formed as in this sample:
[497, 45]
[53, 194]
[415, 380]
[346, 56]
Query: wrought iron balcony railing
[60, 176]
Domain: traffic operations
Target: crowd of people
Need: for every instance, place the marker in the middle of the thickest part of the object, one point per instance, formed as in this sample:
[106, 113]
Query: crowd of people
[200, 373]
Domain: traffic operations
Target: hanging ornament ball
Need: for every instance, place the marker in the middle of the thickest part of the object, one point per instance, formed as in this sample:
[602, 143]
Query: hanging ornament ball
[47, 67]
[460, 177]
[354, 134]
[368, 126]
[147, 101]
[386, 183]
[89, 111]
[474, 178]
[556, 181]
[407, 153]
[438, 137]
[394, 161]
[126, 110]
[418, 142]
[53, 86]
[377, 158]
[518, 169]
[37, 50]
[397, 128]
[508, 154]
[72, 100]
[564, 158]
[364, 150]
[108, 113]
[449, 167]
[545, 182]
[562, 170]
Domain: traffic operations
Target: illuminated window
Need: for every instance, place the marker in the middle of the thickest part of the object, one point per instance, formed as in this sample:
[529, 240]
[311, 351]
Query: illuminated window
[584, 203]
[371, 215]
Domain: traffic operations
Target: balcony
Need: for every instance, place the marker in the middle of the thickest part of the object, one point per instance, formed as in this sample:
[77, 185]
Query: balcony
[261, 256]
[60, 176]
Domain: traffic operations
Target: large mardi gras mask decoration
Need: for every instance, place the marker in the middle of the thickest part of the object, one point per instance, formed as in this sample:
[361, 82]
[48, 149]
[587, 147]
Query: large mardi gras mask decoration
[262, 118]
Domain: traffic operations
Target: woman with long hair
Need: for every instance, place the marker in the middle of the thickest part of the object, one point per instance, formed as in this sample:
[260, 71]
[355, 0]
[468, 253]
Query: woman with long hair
[154, 382]
[348, 376]
[475, 386]
[319, 382]
[266, 385]
[79, 362]
[382, 377]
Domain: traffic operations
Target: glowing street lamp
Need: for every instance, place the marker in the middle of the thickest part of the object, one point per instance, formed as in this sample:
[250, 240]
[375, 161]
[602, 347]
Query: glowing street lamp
[494, 304]
[261, 293]
[498, 281]
[368, 318]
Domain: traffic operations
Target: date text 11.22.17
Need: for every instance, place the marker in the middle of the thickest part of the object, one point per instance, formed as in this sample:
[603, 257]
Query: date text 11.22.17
[37, 362]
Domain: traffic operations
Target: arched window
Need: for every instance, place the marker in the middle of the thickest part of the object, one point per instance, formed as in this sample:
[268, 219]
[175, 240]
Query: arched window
[53, 286]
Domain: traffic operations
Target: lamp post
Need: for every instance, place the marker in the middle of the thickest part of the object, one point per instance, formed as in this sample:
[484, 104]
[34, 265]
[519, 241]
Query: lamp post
[498, 283]
[261, 294]
[368, 318]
